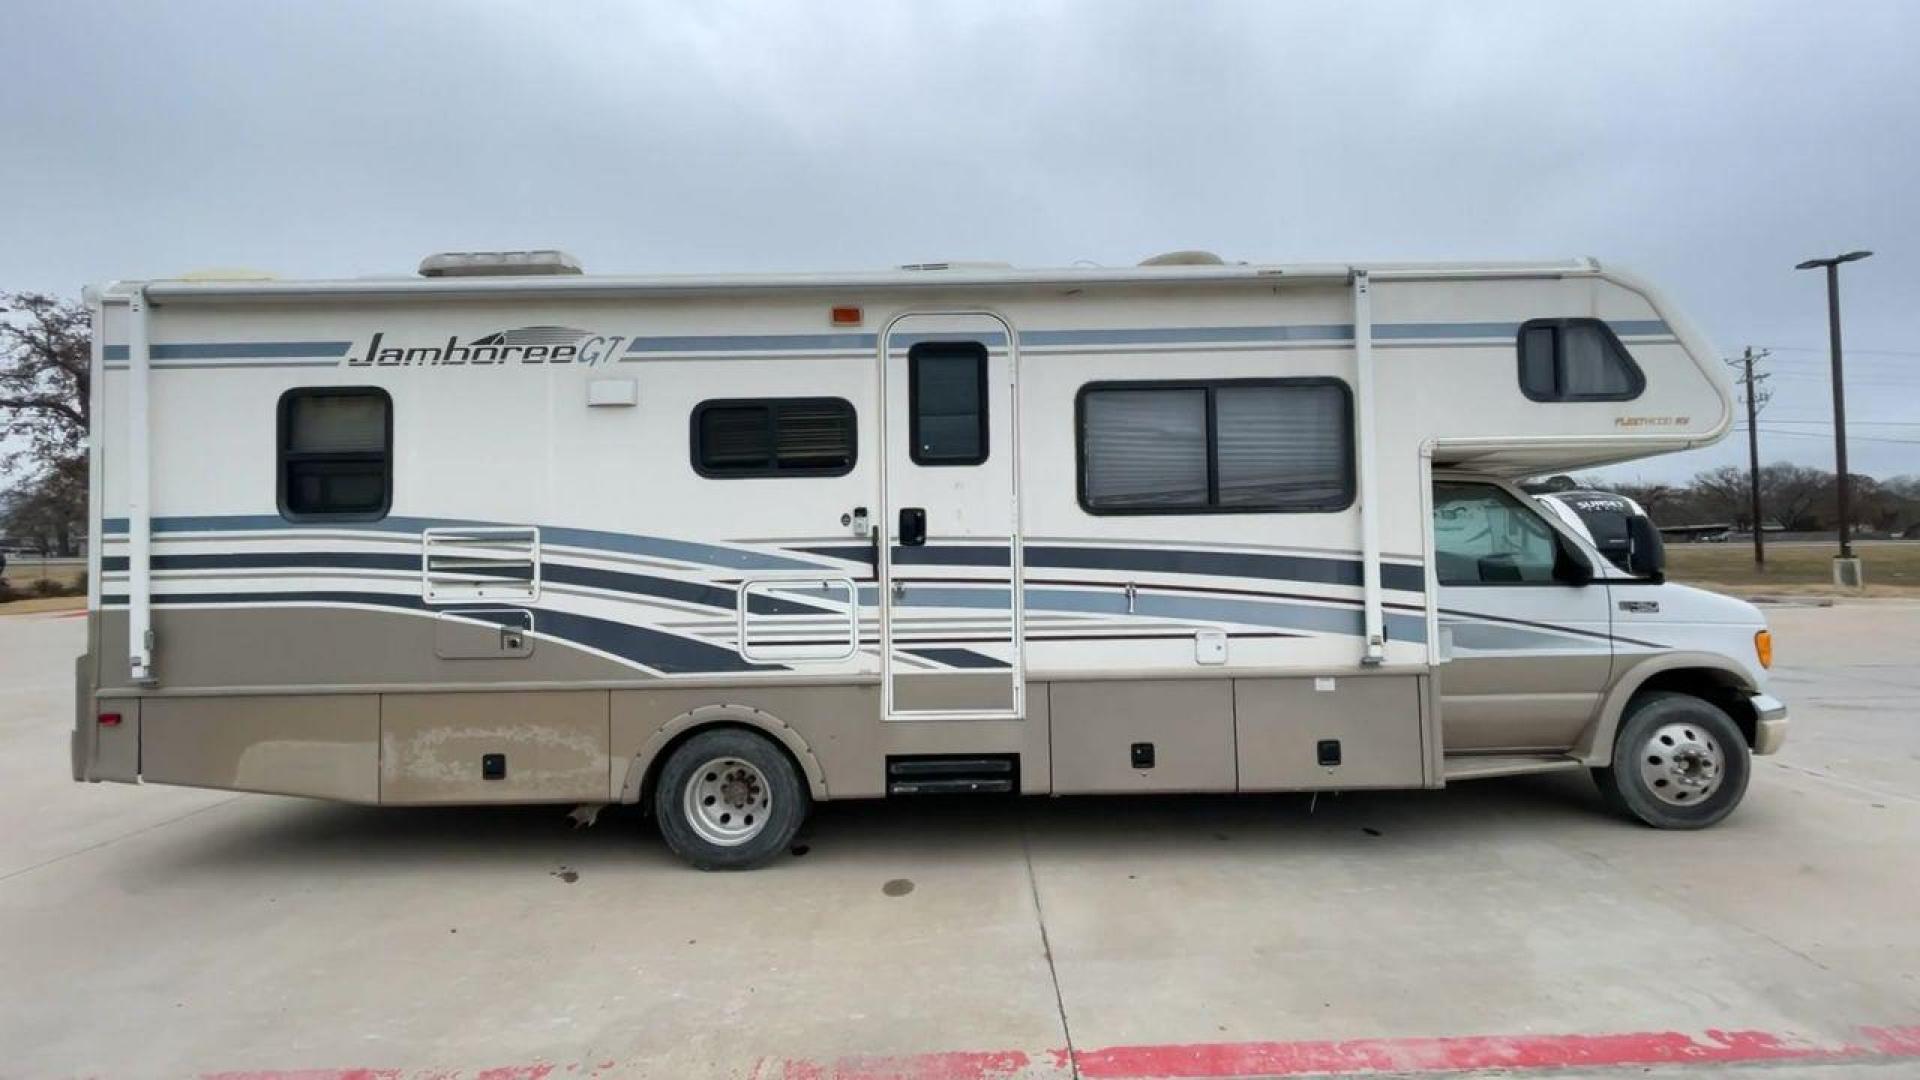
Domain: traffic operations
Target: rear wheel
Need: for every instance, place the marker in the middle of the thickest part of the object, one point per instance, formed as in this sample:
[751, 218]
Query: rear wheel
[1679, 762]
[729, 800]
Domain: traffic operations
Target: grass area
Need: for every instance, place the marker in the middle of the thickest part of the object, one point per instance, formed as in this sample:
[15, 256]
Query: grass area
[21, 591]
[1795, 569]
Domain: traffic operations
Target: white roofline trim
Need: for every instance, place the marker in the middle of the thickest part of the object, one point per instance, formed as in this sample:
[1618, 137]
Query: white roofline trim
[610, 286]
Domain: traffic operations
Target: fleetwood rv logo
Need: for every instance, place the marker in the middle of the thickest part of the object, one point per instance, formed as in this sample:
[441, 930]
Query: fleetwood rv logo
[527, 345]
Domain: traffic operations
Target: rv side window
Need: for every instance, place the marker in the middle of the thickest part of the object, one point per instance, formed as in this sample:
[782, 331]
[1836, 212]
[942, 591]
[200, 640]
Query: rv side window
[773, 437]
[947, 402]
[336, 453]
[1241, 445]
[1576, 360]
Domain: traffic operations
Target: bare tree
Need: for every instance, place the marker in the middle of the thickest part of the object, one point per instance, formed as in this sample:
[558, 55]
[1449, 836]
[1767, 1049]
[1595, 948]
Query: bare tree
[45, 348]
[1723, 494]
[1796, 494]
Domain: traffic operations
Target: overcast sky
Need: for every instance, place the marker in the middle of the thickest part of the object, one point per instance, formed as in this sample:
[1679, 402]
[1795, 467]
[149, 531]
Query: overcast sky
[1709, 146]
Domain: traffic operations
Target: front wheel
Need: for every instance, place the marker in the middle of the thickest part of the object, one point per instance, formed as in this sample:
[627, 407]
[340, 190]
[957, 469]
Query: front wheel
[729, 800]
[1679, 762]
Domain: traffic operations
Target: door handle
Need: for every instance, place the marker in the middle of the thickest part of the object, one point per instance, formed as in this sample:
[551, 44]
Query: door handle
[913, 526]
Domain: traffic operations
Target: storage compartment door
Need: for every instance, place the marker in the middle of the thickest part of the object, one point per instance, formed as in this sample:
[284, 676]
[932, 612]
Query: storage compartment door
[1350, 731]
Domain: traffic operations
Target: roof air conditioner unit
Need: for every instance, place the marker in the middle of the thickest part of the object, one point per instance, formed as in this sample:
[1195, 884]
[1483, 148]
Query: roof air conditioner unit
[498, 264]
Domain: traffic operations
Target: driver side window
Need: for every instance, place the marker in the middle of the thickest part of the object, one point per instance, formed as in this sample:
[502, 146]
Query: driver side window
[1484, 536]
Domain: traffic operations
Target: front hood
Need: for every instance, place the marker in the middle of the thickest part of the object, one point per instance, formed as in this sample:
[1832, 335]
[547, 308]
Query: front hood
[1687, 604]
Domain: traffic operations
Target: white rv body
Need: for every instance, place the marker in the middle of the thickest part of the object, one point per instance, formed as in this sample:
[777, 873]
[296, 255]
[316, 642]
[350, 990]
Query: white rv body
[563, 576]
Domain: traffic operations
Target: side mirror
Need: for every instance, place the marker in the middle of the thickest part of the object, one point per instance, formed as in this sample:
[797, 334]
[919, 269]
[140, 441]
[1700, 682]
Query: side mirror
[1646, 553]
[1570, 565]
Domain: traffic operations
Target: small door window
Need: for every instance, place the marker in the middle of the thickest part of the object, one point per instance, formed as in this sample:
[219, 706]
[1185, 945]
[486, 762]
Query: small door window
[336, 453]
[947, 401]
[1484, 536]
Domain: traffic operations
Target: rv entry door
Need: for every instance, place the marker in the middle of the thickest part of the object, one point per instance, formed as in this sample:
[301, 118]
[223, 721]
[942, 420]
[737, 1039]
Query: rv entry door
[950, 563]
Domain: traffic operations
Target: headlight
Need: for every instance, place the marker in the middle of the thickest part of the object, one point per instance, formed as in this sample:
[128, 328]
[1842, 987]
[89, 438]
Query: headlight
[1763, 647]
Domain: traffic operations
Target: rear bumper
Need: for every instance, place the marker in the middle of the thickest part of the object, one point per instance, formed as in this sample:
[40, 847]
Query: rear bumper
[1770, 723]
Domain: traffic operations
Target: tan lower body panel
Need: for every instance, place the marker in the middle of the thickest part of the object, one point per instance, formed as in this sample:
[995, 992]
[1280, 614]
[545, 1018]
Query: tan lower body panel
[323, 745]
[552, 747]
[565, 746]
[1521, 702]
[304, 646]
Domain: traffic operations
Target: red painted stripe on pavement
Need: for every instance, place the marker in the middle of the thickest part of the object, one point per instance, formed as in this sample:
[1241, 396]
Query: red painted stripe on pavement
[961, 1065]
[1237, 1061]
[1894, 1042]
[1360, 1057]
[1457, 1054]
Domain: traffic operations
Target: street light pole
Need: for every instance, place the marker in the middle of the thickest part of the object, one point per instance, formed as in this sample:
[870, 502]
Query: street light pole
[1832, 267]
[1839, 412]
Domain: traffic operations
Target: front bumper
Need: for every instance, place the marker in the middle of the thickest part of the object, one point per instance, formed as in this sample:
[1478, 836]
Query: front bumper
[1770, 723]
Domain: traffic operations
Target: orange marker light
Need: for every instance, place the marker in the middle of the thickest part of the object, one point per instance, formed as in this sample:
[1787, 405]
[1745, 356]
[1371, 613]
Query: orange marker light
[1763, 647]
[846, 316]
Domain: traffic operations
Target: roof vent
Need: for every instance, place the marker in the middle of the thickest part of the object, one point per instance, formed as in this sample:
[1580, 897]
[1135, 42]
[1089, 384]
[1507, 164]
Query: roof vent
[498, 264]
[1184, 258]
[957, 264]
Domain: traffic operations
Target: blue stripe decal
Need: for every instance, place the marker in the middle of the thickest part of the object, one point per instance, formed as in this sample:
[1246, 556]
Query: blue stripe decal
[1488, 637]
[319, 562]
[1191, 335]
[652, 546]
[752, 343]
[1401, 577]
[1393, 331]
[1312, 568]
[948, 555]
[1346, 619]
[958, 658]
[645, 646]
[860, 342]
[234, 350]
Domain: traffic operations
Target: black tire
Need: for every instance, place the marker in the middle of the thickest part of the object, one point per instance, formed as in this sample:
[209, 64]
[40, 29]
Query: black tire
[736, 775]
[1661, 756]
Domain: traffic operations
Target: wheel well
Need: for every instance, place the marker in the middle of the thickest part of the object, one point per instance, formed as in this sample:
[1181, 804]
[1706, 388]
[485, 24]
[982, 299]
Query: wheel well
[1722, 688]
[660, 759]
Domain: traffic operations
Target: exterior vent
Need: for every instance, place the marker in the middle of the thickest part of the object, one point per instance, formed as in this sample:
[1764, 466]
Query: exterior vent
[498, 264]
[958, 265]
[1184, 258]
[952, 774]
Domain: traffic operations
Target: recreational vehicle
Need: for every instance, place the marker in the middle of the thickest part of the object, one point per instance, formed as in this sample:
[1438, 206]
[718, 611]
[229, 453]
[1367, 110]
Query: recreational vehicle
[726, 545]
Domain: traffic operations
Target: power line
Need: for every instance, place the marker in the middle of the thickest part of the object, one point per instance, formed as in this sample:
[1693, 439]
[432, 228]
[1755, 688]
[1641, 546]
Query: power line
[1869, 352]
[1823, 434]
[1829, 423]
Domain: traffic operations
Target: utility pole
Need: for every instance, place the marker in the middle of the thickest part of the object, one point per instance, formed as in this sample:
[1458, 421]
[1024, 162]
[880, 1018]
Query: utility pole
[1755, 399]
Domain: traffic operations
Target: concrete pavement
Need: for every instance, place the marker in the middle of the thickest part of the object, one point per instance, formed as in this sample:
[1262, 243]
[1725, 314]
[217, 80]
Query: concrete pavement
[167, 932]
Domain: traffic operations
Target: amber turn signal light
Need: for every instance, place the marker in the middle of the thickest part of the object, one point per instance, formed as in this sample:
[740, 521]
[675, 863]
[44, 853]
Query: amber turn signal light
[1763, 647]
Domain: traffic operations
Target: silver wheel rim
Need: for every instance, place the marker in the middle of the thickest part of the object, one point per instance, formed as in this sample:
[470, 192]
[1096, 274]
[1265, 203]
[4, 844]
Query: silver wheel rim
[1682, 764]
[727, 801]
